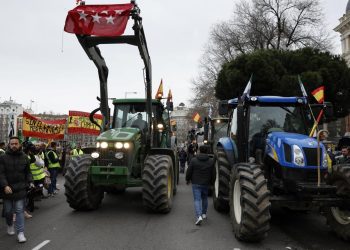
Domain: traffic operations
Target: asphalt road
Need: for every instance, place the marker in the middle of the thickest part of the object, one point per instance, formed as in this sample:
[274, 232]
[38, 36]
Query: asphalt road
[122, 223]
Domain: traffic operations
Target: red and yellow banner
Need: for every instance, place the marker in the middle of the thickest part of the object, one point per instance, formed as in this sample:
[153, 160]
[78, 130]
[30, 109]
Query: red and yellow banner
[319, 94]
[159, 93]
[46, 129]
[79, 123]
[196, 117]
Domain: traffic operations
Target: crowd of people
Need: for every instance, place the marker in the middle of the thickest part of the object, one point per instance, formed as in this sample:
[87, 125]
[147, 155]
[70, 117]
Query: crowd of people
[27, 172]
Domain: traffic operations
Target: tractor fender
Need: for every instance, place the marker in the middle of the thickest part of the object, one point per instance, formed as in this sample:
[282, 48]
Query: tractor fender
[230, 149]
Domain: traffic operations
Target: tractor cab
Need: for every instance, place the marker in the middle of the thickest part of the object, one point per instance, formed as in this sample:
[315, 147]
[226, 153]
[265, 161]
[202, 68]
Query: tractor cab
[131, 113]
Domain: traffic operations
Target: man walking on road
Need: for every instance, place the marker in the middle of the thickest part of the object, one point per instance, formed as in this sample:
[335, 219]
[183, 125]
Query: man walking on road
[201, 172]
[15, 178]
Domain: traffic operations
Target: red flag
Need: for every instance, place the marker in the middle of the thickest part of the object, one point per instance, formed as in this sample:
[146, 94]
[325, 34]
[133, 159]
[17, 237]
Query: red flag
[319, 94]
[98, 20]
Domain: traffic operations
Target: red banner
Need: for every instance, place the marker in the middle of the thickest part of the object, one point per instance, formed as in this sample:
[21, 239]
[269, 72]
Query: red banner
[98, 20]
[47, 129]
[79, 123]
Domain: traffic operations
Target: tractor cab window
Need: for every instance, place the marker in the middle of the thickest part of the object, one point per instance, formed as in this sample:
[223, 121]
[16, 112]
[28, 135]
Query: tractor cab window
[131, 115]
[264, 120]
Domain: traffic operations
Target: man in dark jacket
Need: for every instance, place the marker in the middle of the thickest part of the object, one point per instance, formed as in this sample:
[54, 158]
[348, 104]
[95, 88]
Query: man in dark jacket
[201, 172]
[15, 178]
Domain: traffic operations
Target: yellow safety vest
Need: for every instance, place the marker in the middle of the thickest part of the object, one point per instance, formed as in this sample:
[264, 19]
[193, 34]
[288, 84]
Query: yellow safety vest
[76, 152]
[53, 165]
[37, 172]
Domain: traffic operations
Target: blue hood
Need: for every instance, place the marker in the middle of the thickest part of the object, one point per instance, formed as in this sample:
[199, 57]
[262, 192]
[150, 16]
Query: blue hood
[279, 146]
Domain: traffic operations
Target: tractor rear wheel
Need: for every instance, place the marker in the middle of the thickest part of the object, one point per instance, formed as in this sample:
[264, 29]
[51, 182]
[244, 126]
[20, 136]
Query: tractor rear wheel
[158, 183]
[249, 202]
[80, 192]
[339, 218]
[221, 188]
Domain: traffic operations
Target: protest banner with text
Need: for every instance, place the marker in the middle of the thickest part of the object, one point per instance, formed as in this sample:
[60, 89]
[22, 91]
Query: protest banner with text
[46, 129]
[79, 123]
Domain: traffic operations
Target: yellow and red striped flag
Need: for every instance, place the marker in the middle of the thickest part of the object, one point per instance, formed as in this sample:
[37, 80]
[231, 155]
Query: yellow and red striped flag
[170, 96]
[196, 117]
[159, 94]
[319, 94]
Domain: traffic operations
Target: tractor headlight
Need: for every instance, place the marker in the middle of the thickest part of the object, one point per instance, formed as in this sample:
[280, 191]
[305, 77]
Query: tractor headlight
[126, 145]
[98, 145]
[104, 144]
[95, 155]
[298, 157]
[160, 127]
[118, 145]
[119, 155]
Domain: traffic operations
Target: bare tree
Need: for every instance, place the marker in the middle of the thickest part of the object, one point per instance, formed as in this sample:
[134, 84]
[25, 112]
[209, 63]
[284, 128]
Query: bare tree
[259, 24]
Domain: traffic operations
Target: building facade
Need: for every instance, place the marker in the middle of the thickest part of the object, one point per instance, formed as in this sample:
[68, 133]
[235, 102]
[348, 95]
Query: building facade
[180, 116]
[9, 112]
[344, 29]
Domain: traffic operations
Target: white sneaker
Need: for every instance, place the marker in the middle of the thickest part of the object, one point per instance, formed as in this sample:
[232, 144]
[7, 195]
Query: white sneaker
[204, 216]
[21, 237]
[11, 230]
[199, 221]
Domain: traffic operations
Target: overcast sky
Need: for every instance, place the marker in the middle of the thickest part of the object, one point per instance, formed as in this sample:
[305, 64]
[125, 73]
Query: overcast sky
[41, 63]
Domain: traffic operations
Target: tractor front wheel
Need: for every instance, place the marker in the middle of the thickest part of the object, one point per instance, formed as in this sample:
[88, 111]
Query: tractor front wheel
[158, 183]
[339, 218]
[249, 202]
[221, 188]
[80, 192]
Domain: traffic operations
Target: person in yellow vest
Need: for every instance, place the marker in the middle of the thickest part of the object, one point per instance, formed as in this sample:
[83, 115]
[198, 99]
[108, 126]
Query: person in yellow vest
[76, 151]
[53, 167]
[37, 170]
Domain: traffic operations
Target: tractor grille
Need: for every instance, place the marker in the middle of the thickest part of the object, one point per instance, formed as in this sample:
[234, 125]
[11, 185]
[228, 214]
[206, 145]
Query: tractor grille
[107, 157]
[311, 156]
[287, 152]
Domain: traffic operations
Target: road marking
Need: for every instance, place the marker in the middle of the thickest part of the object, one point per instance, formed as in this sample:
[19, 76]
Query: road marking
[236, 249]
[41, 245]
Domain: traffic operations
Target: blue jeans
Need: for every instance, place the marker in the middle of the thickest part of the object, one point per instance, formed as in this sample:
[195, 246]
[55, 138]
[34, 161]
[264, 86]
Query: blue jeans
[16, 207]
[200, 196]
[53, 177]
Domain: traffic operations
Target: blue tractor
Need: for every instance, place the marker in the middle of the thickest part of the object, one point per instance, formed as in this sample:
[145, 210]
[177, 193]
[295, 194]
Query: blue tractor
[267, 159]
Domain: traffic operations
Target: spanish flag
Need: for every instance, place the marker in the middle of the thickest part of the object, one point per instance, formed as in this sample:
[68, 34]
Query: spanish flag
[319, 94]
[196, 117]
[159, 94]
[170, 96]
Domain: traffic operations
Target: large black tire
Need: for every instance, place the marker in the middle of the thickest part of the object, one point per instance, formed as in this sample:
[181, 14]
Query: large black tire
[339, 219]
[249, 202]
[80, 193]
[158, 183]
[221, 188]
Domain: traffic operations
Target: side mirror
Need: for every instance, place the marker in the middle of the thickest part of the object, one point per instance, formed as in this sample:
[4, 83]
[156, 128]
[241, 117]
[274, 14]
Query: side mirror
[223, 108]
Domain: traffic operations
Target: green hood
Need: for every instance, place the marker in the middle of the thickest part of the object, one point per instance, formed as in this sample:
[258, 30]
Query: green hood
[118, 134]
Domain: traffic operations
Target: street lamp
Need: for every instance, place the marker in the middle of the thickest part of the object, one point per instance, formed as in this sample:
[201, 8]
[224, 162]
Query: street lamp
[130, 92]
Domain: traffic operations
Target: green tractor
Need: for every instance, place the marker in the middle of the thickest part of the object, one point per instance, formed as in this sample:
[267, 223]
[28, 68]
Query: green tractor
[133, 149]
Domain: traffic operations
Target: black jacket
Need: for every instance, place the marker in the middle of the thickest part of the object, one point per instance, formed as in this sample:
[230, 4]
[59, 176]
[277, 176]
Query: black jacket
[201, 170]
[14, 172]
